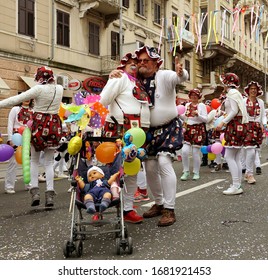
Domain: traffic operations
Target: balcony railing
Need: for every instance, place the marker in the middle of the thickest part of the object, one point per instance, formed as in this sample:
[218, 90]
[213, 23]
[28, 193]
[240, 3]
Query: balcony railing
[105, 7]
[109, 63]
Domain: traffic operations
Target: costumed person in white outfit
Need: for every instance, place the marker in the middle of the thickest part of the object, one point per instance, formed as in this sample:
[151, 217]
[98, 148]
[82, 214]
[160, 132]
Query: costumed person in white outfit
[46, 129]
[18, 117]
[128, 103]
[235, 130]
[255, 127]
[164, 137]
[194, 123]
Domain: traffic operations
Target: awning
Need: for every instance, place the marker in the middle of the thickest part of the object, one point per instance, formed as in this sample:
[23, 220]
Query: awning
[29, 81]
[3, 85]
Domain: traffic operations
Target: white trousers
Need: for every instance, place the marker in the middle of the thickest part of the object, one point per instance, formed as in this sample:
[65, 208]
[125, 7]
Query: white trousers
[162, 180]
[48, 161]
[141, 178]
[185, 152]
[233, 159]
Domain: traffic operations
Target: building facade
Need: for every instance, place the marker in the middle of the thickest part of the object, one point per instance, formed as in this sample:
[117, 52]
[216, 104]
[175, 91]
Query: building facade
[83, 40]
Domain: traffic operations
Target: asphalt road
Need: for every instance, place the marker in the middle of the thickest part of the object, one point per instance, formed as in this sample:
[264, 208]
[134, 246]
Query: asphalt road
[210, 225]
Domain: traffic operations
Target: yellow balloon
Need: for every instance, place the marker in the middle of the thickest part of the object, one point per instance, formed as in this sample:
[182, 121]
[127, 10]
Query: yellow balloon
[223, 142]
[133, 167]
[75, 145]
[211, 156]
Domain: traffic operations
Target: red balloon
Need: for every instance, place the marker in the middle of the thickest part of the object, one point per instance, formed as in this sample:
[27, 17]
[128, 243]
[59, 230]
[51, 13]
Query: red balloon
[20, 129]
[215, 103]
[208, 108]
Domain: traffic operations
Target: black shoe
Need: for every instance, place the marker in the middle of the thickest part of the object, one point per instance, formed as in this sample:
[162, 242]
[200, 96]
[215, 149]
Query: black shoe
[258, 170]
[225, 166]
[204, 163]
[243, 171]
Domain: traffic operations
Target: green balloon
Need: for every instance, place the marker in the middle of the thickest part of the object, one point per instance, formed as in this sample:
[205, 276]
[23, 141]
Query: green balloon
[138, 135]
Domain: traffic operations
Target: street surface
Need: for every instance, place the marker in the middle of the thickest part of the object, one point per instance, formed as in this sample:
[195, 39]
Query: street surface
[210, 225]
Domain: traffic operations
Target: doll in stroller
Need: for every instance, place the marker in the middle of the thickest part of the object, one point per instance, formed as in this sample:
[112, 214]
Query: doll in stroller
[97, 190]
[96, 196]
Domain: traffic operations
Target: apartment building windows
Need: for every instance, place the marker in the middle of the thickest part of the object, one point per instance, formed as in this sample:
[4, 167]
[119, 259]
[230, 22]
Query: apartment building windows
[187, 22]
[188, 68]
[125, 3]
[115, 45]
[26, 17]
[63, 29]
[94, 38]
[140, 7]
[226, 19]
[203, 12]
[157, 13]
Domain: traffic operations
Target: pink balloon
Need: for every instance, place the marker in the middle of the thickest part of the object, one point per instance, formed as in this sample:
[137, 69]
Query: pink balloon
[180, 109]
[222, 136]
[30, 123]
[183, 130]
[216, 148]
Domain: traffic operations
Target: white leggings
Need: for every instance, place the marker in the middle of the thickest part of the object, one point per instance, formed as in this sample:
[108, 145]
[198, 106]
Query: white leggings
[48, 165]
[232, 157]
[185, 152]
[162, 180]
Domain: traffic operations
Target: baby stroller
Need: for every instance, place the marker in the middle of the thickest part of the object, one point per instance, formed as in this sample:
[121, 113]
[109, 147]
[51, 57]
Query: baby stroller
[84, 227]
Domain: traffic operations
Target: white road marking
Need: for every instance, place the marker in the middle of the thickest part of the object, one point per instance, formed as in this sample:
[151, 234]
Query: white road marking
[194, 189]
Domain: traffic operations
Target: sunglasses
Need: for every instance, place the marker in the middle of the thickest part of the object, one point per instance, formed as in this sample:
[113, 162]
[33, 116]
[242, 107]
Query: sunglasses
[145, 61]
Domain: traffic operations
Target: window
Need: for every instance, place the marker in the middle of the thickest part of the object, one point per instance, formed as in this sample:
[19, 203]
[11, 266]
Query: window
[115, 45]
[187, 22]
[174, 18]
[157, 13]
[227, 24]
[140, 7]
[188, 67]
[205, 24]
[63, 29]
[125, 3]
[94, 38]
[26, 17]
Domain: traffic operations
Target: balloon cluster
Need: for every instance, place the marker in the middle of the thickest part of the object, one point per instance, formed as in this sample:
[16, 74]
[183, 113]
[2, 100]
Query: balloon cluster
[214, 149]
[132, 153]
[130, 150]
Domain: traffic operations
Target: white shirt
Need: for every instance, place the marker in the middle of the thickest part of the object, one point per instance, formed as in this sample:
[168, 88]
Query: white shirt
[165, 109]
[120, 90]
[42, 94]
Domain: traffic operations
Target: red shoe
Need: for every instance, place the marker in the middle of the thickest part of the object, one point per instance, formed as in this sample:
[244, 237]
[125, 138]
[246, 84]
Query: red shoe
[133, 217]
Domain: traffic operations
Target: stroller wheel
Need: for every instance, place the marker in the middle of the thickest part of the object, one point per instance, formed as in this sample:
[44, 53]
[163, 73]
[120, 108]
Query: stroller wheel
[79, 248]
[130, 245]
[118, 246]
[68, 249]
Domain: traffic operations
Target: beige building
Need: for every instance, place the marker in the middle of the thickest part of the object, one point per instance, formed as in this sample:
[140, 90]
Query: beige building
[84, 39]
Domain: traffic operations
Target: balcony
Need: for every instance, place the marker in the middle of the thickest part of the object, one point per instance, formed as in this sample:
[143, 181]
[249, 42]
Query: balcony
[110, 9]
[109, 63]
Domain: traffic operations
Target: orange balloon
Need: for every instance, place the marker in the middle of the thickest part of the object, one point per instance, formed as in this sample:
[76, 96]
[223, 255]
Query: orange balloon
[215, 103]
[106, 152]
[208, 108]
[18, 155]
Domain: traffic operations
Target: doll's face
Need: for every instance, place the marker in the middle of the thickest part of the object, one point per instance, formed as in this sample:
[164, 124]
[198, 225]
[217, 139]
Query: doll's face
[94, 175]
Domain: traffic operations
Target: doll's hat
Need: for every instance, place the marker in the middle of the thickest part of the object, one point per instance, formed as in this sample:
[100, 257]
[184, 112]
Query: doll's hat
[95, 168]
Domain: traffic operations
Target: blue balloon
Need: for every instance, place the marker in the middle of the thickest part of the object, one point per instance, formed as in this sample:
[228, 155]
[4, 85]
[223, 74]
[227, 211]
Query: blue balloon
[16, 139]
[204, 150]
[218, 121]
